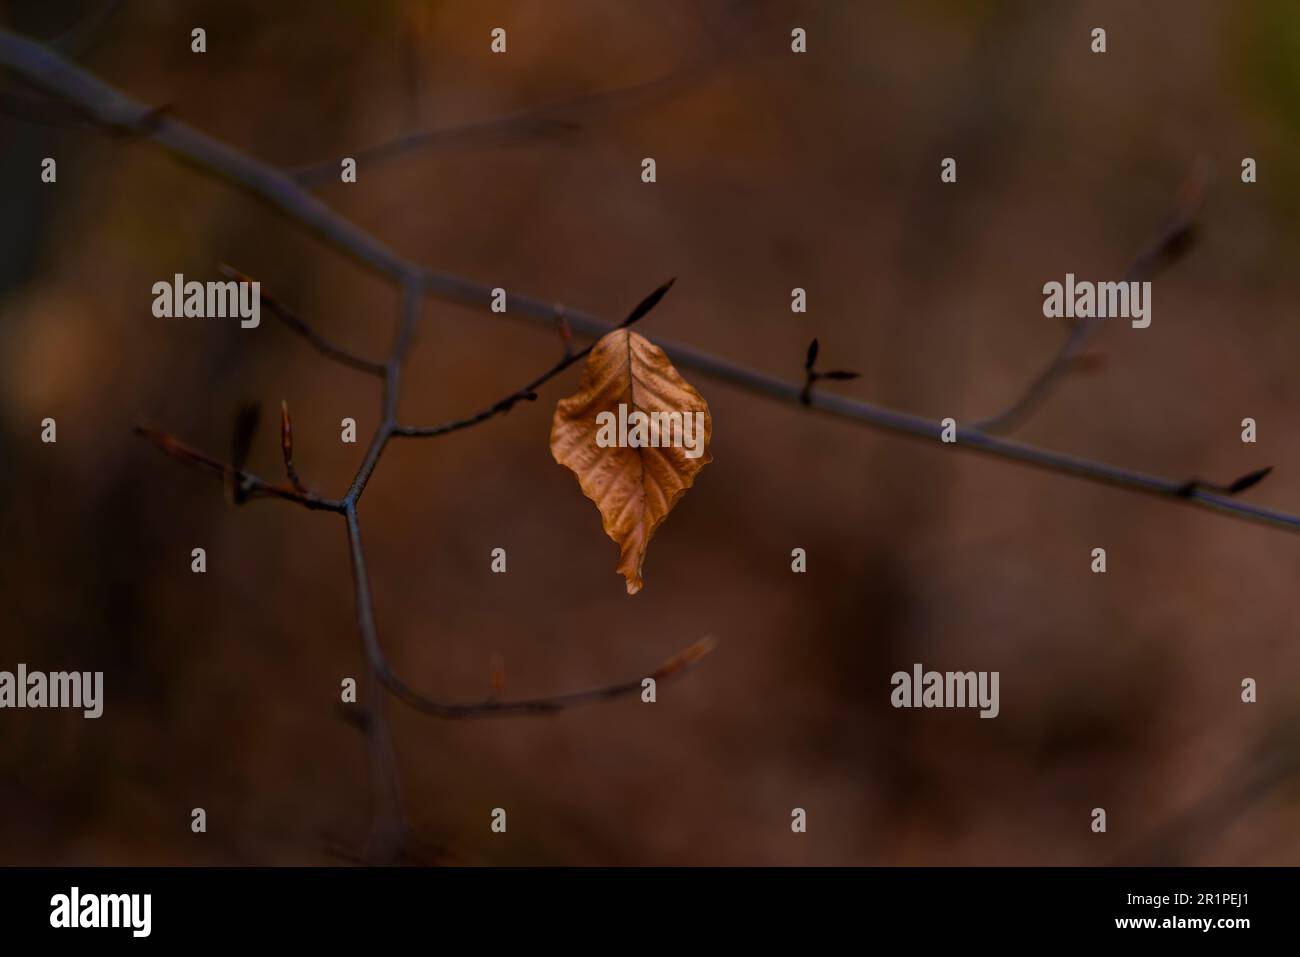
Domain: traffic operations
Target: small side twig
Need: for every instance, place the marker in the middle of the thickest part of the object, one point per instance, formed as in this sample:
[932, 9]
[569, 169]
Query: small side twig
[383, 671]
[528, 392]
[286, 446]
[291, 319]
[545, 119]
[249, 485]
[1232, 488]
[812, 376]
[1171, 242]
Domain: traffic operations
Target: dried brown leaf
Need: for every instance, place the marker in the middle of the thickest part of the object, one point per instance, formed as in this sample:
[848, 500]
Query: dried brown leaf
[634, 487]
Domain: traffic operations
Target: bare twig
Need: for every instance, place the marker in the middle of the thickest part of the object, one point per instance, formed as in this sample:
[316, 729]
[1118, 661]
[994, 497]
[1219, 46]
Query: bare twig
[1175, 236]
[1232, 488]
[546, 119]
[488, 708]
[76, 41]
[290, 318]
[528, 392]
[503, 405]
[114, 109]
[812, 376]
[286, 446]
[250, 486]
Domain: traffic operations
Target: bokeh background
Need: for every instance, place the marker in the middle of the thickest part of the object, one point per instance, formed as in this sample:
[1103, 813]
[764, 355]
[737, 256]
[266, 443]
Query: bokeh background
[774, 171]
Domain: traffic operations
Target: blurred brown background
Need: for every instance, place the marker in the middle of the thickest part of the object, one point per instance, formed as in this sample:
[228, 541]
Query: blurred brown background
[775, 171]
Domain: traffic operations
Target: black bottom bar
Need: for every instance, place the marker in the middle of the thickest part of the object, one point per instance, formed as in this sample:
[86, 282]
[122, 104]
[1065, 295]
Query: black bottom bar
[490, 907]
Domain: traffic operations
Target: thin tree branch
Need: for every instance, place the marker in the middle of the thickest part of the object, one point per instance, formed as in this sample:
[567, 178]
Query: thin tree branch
[76, 41]
[674, 667]
[1171, 241]
[249, 486]
[389, 833]
[114, 109]
[503, 405]
[291, 319]
[544, 119]
[528, 391]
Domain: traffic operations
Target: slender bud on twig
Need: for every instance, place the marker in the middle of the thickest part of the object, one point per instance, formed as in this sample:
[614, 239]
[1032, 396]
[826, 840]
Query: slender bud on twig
[648, 303]
[286, 446]
[1232, 488]
[684, 659]
[811, 374]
